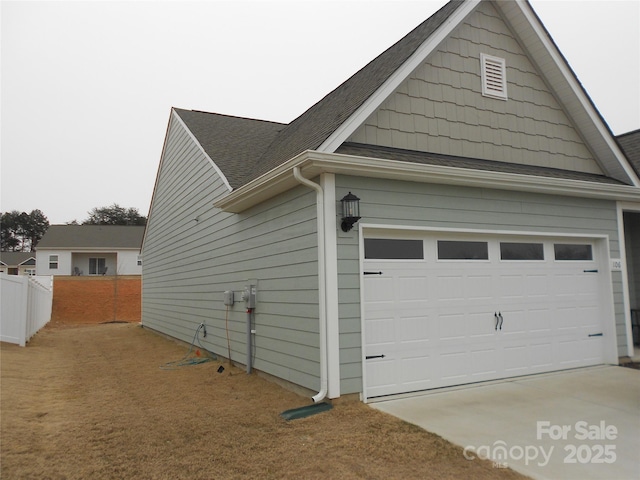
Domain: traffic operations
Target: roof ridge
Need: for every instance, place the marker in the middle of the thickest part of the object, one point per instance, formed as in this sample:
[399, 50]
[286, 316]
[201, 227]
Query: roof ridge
[239, 117]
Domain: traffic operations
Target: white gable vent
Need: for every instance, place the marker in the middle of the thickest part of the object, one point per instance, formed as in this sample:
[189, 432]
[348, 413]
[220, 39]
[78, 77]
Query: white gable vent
[494, 76]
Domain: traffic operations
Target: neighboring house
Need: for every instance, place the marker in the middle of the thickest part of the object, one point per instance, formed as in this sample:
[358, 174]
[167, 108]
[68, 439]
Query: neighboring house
[630, 143]
[18, 263]
[90, 250]
[494, 207]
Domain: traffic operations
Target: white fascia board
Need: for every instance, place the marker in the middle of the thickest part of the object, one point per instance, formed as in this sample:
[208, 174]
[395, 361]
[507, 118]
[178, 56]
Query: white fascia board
[340, 135]
[195, 140]
[314, 163]
[588, 121]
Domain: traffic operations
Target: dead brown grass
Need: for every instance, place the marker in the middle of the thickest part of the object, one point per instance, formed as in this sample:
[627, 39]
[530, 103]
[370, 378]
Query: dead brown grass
[91, 402]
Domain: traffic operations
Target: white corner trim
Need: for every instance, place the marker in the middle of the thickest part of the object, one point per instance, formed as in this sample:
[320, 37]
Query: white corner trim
[339, 136]
[195, 140]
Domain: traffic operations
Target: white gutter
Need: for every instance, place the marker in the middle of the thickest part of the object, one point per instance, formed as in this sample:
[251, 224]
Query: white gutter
[322, 307]
[280, 179]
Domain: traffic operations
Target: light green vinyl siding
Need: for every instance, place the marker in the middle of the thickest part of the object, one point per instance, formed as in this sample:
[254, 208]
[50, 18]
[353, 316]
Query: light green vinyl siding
[387, 202]
[193, 252]
[440, 107]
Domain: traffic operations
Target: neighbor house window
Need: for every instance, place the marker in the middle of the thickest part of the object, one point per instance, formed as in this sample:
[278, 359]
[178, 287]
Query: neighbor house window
[139, 260]
[53, 262]
[568, 251]
[494, 76]
[462, 250]
[97, 266]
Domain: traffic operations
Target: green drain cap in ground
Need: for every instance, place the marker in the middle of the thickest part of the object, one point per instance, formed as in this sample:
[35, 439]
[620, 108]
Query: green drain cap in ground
[303, 412]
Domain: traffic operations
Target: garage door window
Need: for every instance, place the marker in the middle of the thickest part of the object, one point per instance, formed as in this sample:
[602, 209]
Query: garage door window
[393, 249]
[565, 251]
[461, 250]
[521, 251]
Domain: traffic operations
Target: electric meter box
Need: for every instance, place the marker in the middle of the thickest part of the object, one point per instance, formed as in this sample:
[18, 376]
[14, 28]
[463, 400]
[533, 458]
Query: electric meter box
[228, 297]
[250, 295]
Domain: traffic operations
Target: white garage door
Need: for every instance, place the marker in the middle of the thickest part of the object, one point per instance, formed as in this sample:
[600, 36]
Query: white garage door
[442, 310]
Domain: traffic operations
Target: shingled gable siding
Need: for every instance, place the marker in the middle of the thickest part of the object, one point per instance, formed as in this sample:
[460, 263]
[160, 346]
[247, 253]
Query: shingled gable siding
[441, 109]
[388, 202]
[194, 252]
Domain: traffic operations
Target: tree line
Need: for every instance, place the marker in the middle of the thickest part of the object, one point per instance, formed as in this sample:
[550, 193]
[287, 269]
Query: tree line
[21, 231]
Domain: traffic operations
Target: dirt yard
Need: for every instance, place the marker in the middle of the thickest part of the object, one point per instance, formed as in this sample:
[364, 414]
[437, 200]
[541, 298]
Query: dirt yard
[98, 402]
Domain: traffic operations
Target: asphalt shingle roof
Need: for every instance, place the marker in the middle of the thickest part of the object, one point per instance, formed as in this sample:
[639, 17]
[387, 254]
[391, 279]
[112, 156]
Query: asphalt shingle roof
[472, 163]
[630, 143]
[233, 143]
[92, 236]
[13, 259]
[244, 148]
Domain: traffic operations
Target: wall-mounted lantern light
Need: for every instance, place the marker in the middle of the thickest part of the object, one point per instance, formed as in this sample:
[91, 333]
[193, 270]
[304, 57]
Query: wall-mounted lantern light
[350, 211]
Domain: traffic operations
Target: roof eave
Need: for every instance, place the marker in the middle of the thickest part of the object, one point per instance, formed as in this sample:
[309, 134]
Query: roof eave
[313, 163]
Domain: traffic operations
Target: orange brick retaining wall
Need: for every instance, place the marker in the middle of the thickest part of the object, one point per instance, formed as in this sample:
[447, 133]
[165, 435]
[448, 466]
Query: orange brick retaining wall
[78, 300]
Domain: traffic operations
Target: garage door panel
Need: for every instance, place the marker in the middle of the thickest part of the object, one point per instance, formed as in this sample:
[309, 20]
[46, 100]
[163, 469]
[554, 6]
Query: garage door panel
[454, 367]
[536, 285]
[381, 291]
[511, 286]
[483, 362]
[481, 326]
[478, 287]
[417, 370]
[436, 319]
[450, 288]
[411, 288]
[452, 327]
[414, 329]
[380, 331]
[516, 359]
[540, 355]
[539, 321]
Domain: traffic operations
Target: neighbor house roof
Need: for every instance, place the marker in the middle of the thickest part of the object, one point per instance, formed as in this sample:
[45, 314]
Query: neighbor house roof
[14, 259]
[92, 236]
[630, 143]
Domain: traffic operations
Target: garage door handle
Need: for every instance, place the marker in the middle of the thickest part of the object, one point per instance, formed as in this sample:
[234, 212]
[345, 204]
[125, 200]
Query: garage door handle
[590, 271]
[373, 273]
[369, 357]
[595, 334]
[499, 320]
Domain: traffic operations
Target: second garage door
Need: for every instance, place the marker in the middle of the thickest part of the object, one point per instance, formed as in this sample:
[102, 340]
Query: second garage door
[444, 309]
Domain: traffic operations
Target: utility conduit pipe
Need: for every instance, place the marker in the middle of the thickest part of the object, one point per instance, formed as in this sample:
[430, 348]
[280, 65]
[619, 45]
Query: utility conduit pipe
[322, 293]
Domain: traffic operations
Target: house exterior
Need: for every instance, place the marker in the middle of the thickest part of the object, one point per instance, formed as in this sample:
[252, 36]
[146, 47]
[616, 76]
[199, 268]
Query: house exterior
[90, 250]
[18, 263]
[493, 236]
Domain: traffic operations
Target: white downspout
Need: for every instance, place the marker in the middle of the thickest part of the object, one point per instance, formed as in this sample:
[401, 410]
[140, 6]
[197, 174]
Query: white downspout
[322, 294]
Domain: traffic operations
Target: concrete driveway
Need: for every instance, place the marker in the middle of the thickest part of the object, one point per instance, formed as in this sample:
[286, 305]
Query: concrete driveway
[578, 424]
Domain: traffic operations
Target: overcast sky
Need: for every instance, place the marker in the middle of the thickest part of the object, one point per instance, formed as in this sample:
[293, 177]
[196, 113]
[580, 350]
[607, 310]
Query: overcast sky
[87, 86]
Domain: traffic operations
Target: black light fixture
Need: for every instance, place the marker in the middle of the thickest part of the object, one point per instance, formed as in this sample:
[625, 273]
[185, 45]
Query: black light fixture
[350, 211]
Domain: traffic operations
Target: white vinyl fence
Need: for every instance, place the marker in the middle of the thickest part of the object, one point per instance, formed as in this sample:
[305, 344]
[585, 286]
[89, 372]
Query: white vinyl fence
[25, 307]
